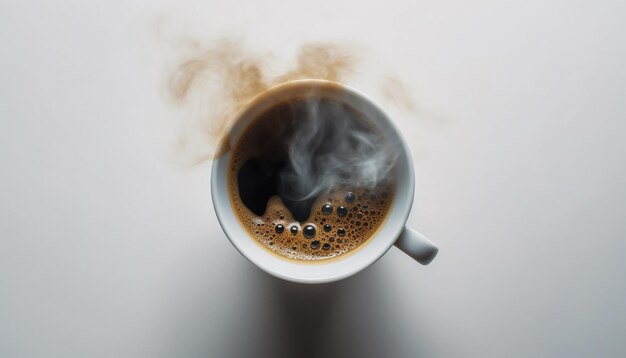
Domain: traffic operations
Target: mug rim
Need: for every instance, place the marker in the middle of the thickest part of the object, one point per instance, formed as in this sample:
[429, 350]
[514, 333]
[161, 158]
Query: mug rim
[300, 271]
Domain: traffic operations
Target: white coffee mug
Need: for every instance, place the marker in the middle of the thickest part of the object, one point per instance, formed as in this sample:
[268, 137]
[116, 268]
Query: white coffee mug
[393, 230]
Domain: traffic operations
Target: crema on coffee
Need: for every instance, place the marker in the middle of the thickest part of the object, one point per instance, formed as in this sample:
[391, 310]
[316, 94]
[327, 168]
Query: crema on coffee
[320, 219]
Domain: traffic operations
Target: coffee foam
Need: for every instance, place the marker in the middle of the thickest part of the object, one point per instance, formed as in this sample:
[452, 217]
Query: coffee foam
[365, 214]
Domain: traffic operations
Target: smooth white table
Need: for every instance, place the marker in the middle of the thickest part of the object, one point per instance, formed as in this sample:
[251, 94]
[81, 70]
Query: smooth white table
[109, 249]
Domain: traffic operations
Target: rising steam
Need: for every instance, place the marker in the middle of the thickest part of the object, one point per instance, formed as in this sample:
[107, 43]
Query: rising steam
[211, 83]
[331, 148]
[328, 149]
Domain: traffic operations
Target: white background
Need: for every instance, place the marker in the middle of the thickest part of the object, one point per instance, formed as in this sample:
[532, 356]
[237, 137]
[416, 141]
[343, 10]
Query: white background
[109, 249]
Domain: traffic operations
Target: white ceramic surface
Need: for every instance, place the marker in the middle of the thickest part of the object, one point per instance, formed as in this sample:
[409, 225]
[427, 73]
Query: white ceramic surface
[107, 249]
[412, 242]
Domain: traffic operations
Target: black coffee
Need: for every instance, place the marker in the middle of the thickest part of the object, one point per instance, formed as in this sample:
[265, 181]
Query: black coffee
[291, 189]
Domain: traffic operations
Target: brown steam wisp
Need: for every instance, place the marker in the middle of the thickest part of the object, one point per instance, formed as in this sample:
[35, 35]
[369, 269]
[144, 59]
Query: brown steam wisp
[213, 83]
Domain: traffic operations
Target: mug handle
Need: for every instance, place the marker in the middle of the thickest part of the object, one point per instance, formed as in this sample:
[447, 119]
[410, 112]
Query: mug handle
[417, 246]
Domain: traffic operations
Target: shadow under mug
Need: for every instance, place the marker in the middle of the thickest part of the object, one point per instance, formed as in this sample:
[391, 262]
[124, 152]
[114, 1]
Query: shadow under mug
[393, 230]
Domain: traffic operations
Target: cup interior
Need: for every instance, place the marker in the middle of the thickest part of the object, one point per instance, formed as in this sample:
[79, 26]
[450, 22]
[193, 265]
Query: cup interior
[325, 270]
